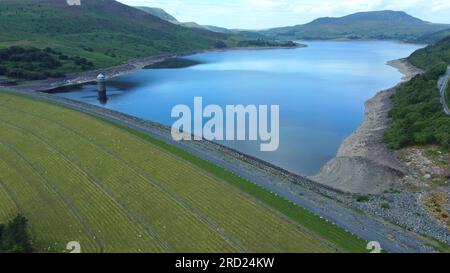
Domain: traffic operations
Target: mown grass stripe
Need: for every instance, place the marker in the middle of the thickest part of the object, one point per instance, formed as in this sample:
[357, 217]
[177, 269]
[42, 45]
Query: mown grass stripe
[42, 203]
[146, 176]
[105, 190]
[9, 206]
[124, 232]
[38, 125]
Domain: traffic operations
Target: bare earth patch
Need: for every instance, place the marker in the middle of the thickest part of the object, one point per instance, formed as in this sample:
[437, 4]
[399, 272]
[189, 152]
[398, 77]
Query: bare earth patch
[429, 167]
[363, 163]
[438, 205]
[429, 172]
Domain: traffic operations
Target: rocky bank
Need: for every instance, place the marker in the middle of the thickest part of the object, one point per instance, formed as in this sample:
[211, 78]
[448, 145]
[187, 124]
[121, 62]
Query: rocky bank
[363, 163]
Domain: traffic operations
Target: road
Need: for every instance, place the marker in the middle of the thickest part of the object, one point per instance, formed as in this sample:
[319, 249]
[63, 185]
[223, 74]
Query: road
[293, 188]
[442, 85]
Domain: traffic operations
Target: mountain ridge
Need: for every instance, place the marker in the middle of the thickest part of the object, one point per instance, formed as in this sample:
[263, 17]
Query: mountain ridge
[160, 13]
[385, 24]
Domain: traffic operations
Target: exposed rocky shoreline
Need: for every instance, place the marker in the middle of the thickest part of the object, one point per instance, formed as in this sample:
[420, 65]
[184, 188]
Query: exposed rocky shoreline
[363, 163]
[382, 179]
[406, 68]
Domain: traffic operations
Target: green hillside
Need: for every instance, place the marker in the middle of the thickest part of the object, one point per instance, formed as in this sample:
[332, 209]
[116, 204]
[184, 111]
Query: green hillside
[104, 32]
[364, 25]
[133, 193]
[418, 117]
[431, 56]
[96, 34]
[432, 38]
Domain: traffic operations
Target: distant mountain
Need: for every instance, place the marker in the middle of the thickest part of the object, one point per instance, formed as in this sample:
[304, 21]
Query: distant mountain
[206, 27]
[160, 13]
[387, 24]
[105, 32]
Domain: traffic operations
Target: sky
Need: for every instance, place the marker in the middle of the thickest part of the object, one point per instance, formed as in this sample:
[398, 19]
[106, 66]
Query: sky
[261, 14]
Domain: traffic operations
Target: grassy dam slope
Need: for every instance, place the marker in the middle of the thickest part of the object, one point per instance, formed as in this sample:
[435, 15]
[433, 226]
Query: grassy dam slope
[79, 178]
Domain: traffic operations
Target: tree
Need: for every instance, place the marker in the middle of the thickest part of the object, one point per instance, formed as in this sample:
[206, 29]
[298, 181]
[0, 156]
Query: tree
[14, 237]
[220, 44]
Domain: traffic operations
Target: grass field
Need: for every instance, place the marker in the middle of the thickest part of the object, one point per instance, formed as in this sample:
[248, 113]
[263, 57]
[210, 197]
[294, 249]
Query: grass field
[79, 178]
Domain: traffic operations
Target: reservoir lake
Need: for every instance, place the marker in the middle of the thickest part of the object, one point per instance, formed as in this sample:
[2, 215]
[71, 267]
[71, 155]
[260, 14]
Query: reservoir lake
[321, 90]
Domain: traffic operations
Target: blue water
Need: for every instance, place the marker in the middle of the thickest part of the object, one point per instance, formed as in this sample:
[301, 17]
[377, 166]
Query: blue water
[321, 91]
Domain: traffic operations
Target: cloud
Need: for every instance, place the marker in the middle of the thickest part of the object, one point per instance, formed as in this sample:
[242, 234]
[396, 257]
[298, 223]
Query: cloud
[441, 5]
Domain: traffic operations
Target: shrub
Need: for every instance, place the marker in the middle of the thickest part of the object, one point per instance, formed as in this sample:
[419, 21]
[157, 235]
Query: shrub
[363, 198]
[14, 237]
[35, 64]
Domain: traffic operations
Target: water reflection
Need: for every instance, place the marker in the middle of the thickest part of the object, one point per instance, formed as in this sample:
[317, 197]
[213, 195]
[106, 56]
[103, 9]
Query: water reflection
[102, 97]
[101, 88]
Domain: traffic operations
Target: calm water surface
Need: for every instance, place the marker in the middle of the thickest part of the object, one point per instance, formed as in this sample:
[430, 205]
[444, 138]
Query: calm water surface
[321, 91]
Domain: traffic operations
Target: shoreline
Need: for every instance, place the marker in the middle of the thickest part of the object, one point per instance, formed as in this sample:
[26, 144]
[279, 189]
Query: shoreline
[125, 68]
[406, 68]
[363, 163]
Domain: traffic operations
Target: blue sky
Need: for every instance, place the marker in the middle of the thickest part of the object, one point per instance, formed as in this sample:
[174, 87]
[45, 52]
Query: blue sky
[258, 14]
